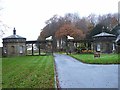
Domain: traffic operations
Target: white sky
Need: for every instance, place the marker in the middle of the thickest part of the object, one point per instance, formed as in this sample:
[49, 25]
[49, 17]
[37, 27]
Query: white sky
[29, 16]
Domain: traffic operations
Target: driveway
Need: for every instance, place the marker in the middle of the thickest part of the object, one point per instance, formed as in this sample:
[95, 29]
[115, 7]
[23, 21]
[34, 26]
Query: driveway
[75, 74]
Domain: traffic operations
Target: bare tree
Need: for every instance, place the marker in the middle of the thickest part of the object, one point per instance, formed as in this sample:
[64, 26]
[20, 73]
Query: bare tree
[3, 27]
[108, 20]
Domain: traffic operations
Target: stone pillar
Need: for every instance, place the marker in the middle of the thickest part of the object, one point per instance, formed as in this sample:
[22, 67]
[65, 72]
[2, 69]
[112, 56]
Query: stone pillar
[32, 50]
[39, 47]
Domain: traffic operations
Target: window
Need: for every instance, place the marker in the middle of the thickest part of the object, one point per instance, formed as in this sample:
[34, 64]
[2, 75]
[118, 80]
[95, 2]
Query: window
[21, 49]
[113, 46]
[98, 47]
[5, 50]
[13, 49]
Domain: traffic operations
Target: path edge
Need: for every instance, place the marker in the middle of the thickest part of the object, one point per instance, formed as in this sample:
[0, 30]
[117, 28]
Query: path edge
[57, 86]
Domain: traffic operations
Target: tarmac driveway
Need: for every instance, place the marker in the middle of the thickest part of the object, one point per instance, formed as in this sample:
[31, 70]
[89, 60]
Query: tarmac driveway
[75, 74]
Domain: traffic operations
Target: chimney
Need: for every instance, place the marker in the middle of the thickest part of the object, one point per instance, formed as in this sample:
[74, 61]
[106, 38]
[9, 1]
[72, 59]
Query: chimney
[14, 32]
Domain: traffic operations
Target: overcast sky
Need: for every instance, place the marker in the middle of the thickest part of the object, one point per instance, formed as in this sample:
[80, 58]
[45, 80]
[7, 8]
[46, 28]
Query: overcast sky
[29, 16]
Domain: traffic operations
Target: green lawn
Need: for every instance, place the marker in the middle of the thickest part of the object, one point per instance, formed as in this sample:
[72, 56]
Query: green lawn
[104, 58]
[28, 72]
[0, 72]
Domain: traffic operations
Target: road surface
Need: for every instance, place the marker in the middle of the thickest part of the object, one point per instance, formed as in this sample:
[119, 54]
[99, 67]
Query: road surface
[75, 74]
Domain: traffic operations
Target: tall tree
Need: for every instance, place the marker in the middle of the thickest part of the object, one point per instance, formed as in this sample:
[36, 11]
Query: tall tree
[108, 20]
[99, 28]
[69, 30]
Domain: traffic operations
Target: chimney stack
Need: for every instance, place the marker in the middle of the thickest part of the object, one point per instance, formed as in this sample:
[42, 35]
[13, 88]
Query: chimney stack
[14, 32]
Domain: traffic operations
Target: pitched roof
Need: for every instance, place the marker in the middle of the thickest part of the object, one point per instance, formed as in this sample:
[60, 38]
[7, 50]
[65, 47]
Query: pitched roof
[118, 38]
[69, 37]
[103, 34]
[14, 37]
[49, 38]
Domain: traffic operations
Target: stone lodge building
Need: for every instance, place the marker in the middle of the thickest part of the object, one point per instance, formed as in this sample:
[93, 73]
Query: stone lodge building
[104, 43]
[14, 45]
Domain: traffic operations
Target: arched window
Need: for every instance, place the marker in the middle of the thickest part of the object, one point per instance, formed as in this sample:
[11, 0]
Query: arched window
[21, 49]
[98, 47]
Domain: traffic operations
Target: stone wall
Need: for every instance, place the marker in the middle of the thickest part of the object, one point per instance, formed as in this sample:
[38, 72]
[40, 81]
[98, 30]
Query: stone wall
[14, 49]
[105, 47]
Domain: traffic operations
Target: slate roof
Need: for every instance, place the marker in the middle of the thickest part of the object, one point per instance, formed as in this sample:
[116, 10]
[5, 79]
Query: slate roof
[118, 38]
[14, 37]
[116, 30]
[103, 34]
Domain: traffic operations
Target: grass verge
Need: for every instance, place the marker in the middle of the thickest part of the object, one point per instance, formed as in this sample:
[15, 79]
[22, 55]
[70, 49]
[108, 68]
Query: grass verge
[28, 72]
[104, 58]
